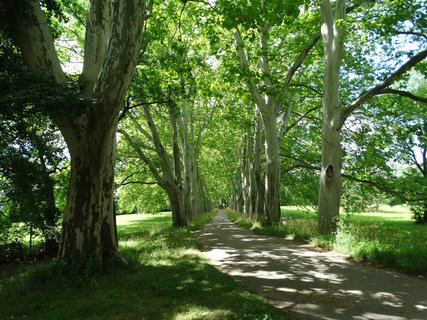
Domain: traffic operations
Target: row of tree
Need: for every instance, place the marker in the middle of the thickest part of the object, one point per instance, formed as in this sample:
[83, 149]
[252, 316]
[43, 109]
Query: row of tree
[214, 104]
[266, 92]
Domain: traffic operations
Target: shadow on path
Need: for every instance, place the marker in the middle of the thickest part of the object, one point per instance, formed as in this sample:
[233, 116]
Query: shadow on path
[310, 284]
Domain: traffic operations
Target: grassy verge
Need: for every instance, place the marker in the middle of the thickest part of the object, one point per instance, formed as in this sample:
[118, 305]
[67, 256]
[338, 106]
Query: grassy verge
[387, 237]
[166, 278]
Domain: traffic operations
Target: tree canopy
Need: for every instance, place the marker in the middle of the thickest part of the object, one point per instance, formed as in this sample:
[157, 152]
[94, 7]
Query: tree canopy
[187, 105]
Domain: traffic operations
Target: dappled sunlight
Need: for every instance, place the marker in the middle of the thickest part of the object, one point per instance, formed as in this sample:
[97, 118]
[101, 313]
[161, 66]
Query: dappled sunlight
[129, 243]
[125, 219]
[379, 316]
[320, 285]
[261, 274]
[422, 307]
[196, 312]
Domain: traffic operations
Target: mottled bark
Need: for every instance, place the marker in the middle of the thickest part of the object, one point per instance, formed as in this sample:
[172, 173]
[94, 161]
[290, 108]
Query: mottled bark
[88, 227]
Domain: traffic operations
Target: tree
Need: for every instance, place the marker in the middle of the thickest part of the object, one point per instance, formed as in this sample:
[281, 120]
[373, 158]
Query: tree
[336, 115]
[330, 176]
[265, 77]
[31, 153]
[112, 43]
[172, 93]
[390, 133]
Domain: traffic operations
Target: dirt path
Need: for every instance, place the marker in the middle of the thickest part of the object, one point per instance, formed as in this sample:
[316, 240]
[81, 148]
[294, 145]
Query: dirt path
[311, 284]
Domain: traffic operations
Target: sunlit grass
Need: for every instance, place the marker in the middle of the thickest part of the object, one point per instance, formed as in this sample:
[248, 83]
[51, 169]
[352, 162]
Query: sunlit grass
[166, 278]
[129, 223]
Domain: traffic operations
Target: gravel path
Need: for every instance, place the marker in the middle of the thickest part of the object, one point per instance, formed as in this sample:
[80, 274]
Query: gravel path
[311, 284]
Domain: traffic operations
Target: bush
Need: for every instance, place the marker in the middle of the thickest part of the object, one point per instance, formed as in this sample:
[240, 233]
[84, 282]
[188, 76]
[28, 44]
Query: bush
[11, 242]
[11, 251]
[418, 213]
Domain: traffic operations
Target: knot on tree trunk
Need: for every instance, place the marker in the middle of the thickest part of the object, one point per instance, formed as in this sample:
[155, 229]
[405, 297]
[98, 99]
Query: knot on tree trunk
[329, 172]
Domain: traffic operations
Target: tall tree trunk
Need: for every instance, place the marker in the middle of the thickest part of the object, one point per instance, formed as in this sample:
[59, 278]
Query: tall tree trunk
[185, 143]
[176, 153]
[195, 181]
[330, 177]
[244, 171]
[88, 226]
[272, 173]
[260, 188]
[170, 182]
[175, 195]
[238, 193]
[252, 192]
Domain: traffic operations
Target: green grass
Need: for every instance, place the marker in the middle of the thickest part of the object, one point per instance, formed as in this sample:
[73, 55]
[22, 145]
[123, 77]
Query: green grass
[387, 237]
[166, 278]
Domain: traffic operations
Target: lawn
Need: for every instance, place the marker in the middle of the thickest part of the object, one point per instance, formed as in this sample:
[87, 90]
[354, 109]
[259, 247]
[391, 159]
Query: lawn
[166, 278]
[387, 237]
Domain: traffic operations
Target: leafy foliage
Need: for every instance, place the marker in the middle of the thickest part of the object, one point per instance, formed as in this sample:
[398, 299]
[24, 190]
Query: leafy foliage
[31, 152]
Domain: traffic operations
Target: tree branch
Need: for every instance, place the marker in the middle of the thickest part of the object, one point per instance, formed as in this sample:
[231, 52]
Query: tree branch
[382, 187]
[142, 155]
[365, 96]
[7, 217]
[295, 66]
[319, 93]
[126, 182]
[378, 185]
[286, 118]
[418, 34]
[250, 83]
[300, 59]
[138, 182]
[140, 128]
[301, 117]
[404, 94]
[129, 107]
[413, 156]
[204, 126]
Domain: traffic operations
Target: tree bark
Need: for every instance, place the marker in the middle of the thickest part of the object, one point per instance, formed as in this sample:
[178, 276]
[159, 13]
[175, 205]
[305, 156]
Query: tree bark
[244, 171]
[260, 188]
[179, 216]
[330, 177]
[272, 169]
[252, 192]
[88, 227]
